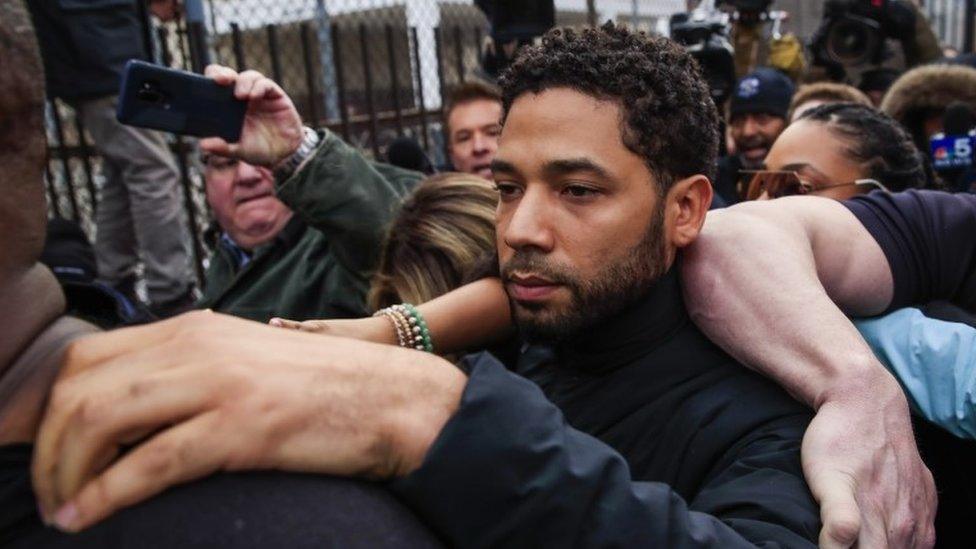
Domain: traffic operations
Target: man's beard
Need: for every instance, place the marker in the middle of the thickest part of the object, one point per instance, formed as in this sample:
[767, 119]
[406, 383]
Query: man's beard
[594, 300]
[757, 141]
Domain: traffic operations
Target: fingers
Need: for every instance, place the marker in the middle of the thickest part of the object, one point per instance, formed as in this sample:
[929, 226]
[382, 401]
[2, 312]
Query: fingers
[104, 358]
[912, 522]
[217, 146]
[225, 76]
[138, 406]
[310, 326]
[874, 530]
[98, 348]
[247, 82]
[174, 456]
[925, 534]
[313, 326]
[285, 323]
[265, 88]
[839, 512]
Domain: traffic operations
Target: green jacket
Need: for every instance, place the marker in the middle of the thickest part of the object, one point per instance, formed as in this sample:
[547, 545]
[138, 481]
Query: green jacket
[320, 264]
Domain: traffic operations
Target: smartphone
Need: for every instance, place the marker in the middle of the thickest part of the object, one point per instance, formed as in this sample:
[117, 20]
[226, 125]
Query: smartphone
[180, 102]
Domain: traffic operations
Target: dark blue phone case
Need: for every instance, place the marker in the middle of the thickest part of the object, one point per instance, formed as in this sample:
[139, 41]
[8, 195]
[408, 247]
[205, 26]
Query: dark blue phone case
[180, 102]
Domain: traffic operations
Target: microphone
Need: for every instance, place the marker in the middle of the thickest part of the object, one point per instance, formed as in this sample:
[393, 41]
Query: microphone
[952, 150]
[958, 119]
[405, 152]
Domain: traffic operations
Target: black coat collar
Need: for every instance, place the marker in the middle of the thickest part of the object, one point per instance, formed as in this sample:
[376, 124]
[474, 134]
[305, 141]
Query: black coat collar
[636, 331]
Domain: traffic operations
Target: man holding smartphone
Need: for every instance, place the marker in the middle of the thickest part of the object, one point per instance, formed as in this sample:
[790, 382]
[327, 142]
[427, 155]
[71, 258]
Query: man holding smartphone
[305, 250]
[85, 44]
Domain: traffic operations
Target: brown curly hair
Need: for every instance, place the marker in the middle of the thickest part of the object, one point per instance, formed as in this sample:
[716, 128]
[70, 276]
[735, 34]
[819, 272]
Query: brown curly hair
[669, 117]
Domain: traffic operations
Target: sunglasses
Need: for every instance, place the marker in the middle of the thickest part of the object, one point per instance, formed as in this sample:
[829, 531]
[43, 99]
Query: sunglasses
[777, 184]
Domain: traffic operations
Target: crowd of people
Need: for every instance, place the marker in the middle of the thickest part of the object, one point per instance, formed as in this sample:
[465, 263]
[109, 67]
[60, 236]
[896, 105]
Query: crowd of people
[623, 316]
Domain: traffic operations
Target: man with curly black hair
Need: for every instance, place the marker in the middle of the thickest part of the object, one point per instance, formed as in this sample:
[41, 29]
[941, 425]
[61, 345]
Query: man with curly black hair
[643, 433]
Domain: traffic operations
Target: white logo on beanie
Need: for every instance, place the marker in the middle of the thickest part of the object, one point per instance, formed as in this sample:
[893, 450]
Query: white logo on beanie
[748, 87]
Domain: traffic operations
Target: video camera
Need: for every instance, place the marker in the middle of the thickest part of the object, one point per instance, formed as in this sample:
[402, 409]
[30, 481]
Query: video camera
[707, 41]
[853, 32]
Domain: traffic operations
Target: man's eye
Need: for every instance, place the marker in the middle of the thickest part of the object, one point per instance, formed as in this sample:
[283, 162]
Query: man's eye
[222, 163]
[579, 191]
[507, 190]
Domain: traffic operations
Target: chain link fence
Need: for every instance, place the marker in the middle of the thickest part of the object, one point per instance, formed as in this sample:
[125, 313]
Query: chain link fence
[370, 70]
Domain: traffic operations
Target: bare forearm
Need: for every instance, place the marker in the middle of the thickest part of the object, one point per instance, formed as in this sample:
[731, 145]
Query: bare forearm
[465, 319]
[759, 282]
[470, 317]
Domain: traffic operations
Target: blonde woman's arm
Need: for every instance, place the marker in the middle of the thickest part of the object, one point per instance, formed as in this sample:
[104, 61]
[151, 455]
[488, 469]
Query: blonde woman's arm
[470, 317]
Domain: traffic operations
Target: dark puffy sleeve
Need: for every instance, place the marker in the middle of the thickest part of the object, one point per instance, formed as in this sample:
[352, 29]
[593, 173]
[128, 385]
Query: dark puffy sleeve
[339, 192]
[507, 471]
[929, 239]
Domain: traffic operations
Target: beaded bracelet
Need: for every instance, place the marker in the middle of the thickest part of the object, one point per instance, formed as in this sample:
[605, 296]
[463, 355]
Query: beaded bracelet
[399, 325]
[410, 326]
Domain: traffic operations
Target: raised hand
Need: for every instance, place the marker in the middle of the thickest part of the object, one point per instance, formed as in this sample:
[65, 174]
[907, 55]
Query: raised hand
[272, 128]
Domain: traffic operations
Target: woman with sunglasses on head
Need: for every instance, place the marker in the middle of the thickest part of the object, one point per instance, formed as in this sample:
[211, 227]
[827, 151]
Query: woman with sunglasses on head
[843, 150]
[838, 151]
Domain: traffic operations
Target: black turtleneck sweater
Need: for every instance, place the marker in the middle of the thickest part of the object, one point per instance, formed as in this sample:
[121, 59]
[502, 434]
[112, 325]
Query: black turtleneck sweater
[690, 448]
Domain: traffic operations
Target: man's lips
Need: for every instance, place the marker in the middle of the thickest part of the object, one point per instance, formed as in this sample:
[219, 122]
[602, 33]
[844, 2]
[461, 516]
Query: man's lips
[530, 288]
[483, 170]
[755, 153]
[254, 197]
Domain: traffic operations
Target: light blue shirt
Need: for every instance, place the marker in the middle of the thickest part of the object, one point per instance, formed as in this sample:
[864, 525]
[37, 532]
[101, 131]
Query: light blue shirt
[935, 362]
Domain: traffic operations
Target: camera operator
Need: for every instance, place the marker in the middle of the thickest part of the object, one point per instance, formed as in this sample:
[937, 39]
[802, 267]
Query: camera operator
[854, 33]
[757, 115]
[514, 23]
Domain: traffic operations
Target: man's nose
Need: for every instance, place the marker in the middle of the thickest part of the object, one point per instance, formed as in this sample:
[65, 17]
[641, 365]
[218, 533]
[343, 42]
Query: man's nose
[482, 143]
[529, 224]
[750, 127]
[247, 174]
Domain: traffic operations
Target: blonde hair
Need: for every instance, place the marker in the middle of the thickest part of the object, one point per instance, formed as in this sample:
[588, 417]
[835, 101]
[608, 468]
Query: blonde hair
[828, 92]
[442, 237]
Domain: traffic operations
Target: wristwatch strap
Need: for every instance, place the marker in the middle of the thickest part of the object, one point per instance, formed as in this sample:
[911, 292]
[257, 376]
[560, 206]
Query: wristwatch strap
[310, 140]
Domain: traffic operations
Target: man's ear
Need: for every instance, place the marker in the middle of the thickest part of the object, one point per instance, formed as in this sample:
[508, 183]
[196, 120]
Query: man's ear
[686, 204]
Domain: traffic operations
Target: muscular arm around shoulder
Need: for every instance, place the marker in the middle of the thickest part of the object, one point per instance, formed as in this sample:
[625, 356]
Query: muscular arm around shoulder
[777, 269]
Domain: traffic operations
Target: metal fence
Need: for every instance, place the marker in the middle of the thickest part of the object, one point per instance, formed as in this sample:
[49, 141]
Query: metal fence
[370, 70]
[369, 74]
